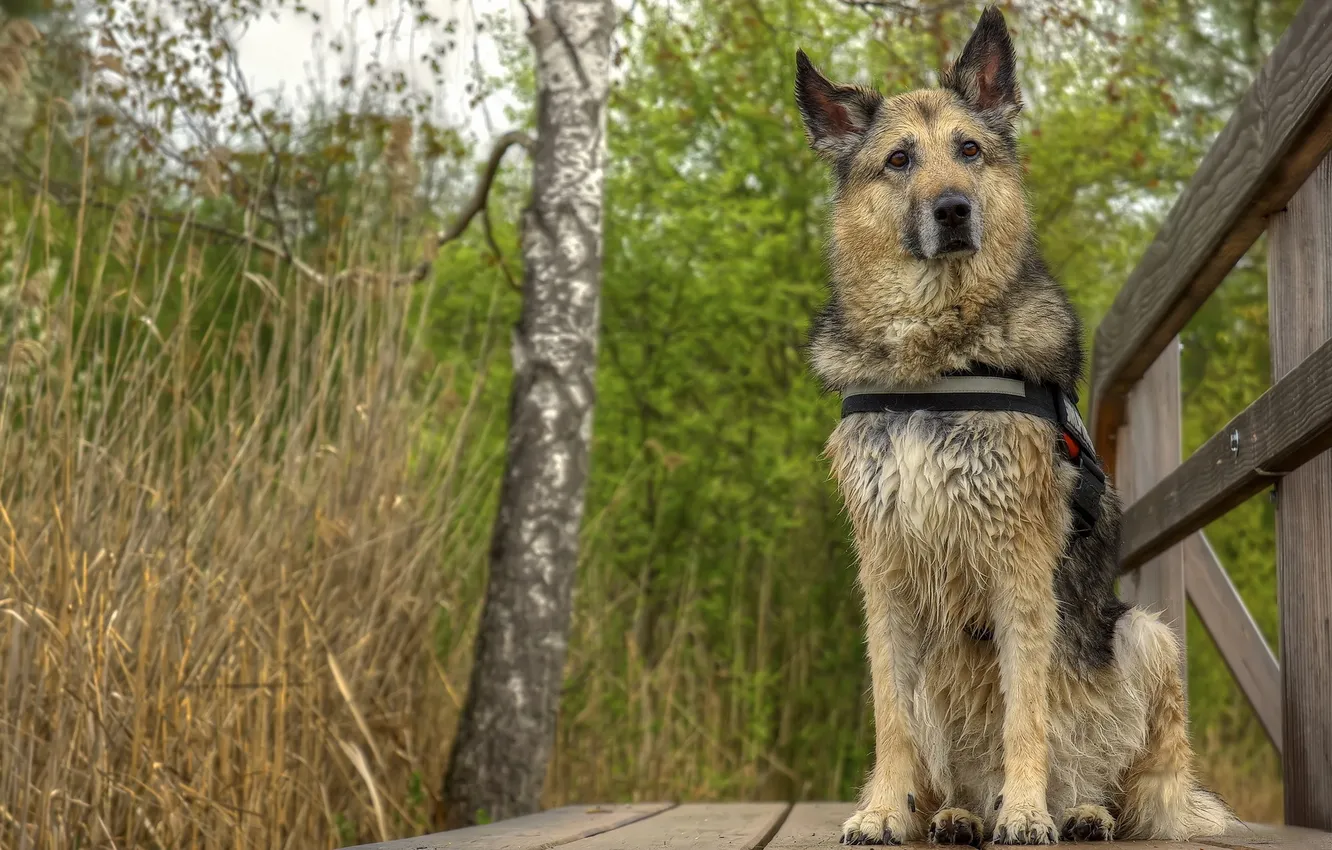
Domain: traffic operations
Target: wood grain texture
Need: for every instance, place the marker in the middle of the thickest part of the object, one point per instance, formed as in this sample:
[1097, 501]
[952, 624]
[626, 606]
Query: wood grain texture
[697, 826]
[1266, 837]
[818, 826]
[539, 831]
[1234, 632]
[750, 826]
[1276, 137]
[812, 825]
[1287, 426]
[1153, 441]
[1300, 294]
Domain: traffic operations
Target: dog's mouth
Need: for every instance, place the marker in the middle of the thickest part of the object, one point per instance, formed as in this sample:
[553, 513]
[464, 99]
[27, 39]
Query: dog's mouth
[929, 242]
[956, 245]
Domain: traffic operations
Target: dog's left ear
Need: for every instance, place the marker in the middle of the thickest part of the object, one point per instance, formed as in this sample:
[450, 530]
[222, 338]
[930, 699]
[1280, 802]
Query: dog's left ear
[985, 75]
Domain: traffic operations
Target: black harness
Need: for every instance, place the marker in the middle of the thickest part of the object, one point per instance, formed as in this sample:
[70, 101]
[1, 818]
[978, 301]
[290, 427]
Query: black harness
[987, 388]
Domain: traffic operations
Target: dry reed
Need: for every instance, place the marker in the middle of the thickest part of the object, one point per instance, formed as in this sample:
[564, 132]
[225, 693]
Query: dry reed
[226, 539]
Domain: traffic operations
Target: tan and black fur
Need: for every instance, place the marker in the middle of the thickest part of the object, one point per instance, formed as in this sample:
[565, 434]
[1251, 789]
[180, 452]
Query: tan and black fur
[1070, 720]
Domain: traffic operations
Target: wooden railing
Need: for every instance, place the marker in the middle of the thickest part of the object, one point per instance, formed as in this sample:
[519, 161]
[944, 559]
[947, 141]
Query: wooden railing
[1269, 169]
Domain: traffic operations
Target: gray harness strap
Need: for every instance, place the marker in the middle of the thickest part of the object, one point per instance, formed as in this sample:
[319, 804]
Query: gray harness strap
[985, 388]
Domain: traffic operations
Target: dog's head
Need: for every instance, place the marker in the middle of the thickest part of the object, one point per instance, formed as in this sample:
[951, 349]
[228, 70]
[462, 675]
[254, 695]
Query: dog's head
[927, 177]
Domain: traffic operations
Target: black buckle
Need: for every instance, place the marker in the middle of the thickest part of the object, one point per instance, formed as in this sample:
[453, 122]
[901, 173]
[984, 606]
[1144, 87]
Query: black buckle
[1070, 421]
[1087, 493]
[1090, 486]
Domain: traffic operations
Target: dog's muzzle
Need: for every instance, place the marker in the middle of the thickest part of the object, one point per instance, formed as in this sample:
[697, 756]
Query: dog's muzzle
[953, 226]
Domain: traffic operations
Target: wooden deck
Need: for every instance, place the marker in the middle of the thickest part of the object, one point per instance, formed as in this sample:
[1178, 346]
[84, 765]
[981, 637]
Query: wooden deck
[745, 826]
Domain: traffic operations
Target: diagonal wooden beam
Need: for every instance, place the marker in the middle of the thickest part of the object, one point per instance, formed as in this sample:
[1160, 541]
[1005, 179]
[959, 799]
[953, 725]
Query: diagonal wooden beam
[1234, 632]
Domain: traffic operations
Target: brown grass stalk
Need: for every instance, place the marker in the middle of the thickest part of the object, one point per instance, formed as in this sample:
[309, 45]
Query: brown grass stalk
[225, 545]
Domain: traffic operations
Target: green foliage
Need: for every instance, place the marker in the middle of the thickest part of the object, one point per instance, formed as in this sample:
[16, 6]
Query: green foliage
[20, 8]
[346, 830]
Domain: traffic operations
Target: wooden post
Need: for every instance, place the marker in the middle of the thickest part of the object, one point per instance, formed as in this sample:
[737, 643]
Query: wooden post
[1150, 446]
[1300, 297]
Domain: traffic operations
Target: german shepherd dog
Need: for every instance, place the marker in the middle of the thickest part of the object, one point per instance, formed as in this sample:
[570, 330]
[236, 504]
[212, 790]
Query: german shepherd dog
[1009, 682]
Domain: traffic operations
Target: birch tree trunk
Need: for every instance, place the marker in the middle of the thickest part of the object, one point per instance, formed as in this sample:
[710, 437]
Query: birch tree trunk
[507, 729]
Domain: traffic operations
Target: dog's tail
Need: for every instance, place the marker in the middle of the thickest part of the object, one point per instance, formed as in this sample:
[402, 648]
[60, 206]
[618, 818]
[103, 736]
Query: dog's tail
[1161, 798]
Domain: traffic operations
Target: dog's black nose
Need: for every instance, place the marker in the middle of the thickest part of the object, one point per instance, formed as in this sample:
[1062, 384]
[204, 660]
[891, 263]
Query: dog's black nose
[952, 209]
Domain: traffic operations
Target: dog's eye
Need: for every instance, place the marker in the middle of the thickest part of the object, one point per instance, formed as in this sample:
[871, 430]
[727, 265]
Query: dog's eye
[897, 160]
[970, 150]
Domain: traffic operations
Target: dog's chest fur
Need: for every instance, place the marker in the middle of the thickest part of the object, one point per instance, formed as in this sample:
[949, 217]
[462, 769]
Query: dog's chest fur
[938, 499]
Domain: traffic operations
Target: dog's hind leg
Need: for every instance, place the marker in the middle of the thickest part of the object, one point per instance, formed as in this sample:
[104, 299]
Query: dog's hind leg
[888, 804]
[1161, 798]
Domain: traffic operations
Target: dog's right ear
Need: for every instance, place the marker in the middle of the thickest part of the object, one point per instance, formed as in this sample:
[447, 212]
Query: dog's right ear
[836, 117]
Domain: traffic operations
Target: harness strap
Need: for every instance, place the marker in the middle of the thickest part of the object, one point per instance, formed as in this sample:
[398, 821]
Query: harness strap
[985, 388]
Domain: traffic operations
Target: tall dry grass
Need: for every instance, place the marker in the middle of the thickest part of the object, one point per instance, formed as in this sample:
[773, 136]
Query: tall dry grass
[233, 502]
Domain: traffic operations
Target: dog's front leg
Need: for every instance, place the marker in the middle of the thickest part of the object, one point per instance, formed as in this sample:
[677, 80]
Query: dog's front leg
[887, 813]
[1025, 621]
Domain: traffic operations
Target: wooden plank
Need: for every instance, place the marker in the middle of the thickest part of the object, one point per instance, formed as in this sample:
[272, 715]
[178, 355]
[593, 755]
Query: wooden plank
[747, 826]
[697, 826]
[1236, 635]
[1273, 141]
[1266, 837]
[812, 825]
[1288, 425]
[538, 831]
[818, 826]
[1153, 443]
[1300, 296]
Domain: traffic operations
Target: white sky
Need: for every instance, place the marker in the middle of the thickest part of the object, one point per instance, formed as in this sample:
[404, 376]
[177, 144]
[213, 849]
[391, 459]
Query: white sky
[277, 53]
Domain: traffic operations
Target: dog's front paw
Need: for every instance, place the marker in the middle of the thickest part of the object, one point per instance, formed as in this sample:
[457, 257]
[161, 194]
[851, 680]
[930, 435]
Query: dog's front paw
[1024, 825]
[956, 826]
[875, 826]
[1087, 823]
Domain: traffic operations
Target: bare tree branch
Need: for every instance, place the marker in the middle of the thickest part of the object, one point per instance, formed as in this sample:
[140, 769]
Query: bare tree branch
[900, 6]
[275, 173]
[478, 69]
[66, 196]
[482, 194]
[933, 8]
[477, 205]
[494, 249]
